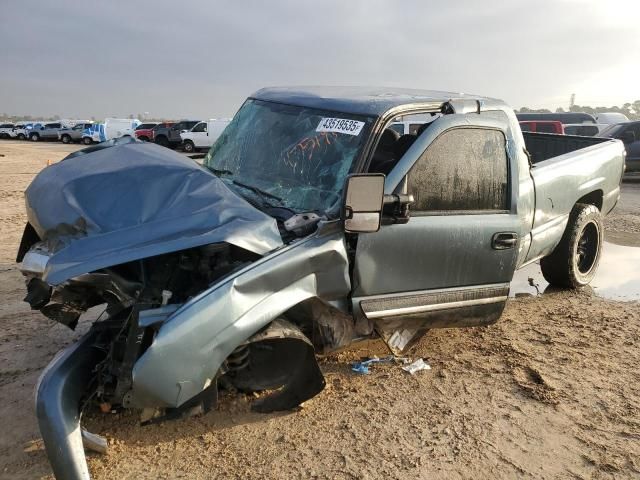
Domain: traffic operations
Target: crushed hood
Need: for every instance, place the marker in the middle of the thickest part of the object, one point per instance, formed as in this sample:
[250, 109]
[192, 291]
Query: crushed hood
[135, 200]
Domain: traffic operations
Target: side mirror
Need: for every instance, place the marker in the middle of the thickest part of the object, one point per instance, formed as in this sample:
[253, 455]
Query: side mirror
[362, 206]
[628, 137]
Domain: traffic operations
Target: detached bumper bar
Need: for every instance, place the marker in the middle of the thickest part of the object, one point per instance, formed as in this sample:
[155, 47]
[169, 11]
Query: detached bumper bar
[58, 394]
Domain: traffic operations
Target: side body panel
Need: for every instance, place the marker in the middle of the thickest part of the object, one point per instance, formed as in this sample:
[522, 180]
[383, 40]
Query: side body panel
[561, 181]
[192, 344]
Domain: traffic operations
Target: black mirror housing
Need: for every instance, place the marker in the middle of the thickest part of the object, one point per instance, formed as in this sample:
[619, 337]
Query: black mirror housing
[362, 205]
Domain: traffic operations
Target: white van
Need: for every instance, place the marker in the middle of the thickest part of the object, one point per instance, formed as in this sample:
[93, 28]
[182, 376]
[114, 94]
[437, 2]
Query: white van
[110, 129]
[119, 127]
[203, 134]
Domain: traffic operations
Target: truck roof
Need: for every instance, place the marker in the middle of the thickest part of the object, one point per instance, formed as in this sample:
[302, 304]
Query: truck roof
[358, 100]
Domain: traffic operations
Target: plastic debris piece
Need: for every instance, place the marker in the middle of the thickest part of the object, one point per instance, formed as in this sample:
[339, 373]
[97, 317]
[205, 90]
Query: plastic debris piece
[363, 367]
[416, 366]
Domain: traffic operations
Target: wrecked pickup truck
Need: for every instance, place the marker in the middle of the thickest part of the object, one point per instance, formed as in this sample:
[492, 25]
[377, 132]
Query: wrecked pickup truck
[310, 225]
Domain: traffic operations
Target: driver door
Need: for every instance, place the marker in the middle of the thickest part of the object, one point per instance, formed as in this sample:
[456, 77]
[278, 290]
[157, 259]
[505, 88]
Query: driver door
[451, 264]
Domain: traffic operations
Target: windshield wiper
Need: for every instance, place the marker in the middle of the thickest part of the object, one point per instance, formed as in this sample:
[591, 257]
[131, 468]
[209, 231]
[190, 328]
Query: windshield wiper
[256, 190]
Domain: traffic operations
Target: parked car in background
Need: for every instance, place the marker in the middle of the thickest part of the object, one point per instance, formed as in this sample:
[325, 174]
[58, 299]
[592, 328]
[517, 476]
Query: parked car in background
[120, 127]
[565, 117]
[583, 129]
[611, 118]
[23, 129]
[93, 134]
[144, 131]
[629, 133]
[542, 126]
[111, 128]
[70, 123]
[73, 134]
[170, 136]
[48, 131]
[6, 129]
[203, 134]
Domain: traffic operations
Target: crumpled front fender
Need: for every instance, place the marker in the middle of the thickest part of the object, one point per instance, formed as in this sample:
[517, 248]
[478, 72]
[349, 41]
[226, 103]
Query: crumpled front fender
[192, 344]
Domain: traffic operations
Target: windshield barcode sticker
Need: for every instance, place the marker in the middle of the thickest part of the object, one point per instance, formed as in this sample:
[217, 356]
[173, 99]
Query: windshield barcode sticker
[340, 125]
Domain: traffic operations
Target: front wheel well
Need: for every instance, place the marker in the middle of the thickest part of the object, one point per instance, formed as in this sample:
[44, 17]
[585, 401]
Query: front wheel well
[593, 198]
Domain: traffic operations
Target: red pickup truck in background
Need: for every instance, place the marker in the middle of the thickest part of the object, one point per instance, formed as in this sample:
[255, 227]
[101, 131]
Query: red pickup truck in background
[146, 131]
[542, 126]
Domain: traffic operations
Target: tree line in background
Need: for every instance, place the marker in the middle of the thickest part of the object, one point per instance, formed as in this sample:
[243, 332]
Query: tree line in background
[631, 110]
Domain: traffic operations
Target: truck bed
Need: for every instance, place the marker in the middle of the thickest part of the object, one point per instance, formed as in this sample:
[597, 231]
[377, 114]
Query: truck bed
[543, 146]
[566, 169]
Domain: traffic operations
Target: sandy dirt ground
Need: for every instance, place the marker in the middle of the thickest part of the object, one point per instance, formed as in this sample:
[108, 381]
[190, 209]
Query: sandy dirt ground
[550, 391]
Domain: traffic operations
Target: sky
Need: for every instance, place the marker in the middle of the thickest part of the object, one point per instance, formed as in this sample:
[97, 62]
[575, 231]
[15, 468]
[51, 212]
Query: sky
[201, 59]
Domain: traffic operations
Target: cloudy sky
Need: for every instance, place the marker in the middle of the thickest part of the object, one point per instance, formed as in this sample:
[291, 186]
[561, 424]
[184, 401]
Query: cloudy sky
[202, 58]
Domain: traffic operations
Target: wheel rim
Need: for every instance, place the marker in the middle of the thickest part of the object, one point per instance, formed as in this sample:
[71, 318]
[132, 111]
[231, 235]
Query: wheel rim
[587, 248]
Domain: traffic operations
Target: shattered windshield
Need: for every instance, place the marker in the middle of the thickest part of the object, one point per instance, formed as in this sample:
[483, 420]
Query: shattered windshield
[289, 156]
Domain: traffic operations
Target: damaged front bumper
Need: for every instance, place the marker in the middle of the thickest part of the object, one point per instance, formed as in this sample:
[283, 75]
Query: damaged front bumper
[60, 393]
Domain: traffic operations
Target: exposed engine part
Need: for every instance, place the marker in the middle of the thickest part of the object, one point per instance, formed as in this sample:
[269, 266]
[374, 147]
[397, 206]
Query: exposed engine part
[38, 293]
[239, 358]
[302, 224]
[127, 290]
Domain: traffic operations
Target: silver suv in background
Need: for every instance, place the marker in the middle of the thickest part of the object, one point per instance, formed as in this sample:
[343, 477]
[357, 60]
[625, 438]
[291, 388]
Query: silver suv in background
[48, 131]
[74, 134]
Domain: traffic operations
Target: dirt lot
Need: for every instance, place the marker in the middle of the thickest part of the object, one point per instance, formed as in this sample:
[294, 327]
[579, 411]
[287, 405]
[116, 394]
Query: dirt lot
[551, 391]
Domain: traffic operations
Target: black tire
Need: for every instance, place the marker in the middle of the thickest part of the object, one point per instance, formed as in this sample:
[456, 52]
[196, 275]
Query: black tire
[142, 138]
[87, 141]
[21, 136]
[188, 146]
[66, 139]
[34, 137]
[162, 140]
[575, 260]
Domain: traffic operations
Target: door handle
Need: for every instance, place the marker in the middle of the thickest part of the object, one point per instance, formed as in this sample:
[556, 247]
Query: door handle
[504, 240]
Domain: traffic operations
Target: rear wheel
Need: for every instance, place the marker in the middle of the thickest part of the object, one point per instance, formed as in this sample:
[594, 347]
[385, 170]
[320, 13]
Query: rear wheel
[188, 146]
[574, 262]
[21, 136]
[66, 139]
[87, 141]
[143, 138]
[34, 137]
